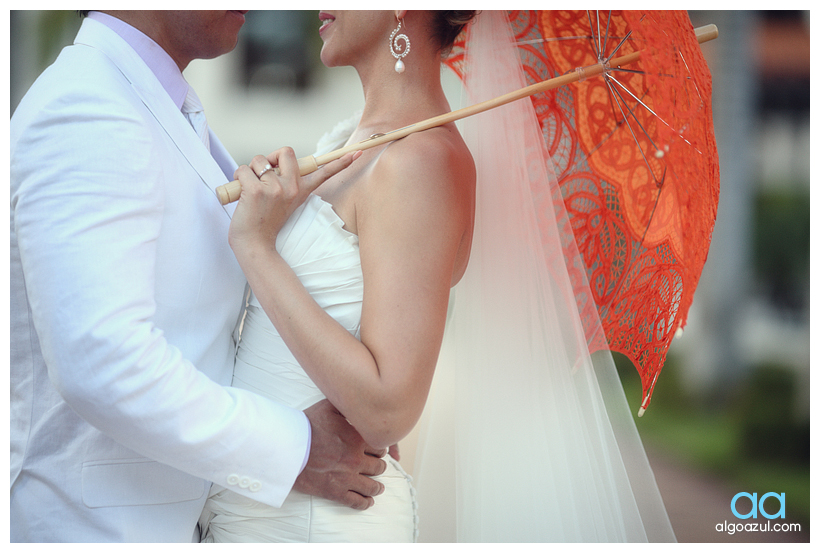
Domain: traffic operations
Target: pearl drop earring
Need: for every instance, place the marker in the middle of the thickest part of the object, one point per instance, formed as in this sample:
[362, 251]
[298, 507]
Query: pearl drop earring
[396, 49]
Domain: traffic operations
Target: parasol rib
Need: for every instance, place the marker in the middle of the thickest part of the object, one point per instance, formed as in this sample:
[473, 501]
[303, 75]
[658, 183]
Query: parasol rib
[621, 105]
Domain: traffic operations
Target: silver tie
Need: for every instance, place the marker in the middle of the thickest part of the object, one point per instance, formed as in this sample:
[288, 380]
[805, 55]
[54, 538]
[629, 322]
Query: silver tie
[192, 108]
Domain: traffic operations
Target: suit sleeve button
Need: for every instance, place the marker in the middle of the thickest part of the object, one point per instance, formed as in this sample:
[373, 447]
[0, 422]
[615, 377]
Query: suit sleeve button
[233, 479]
[255, 486]
[244, 482]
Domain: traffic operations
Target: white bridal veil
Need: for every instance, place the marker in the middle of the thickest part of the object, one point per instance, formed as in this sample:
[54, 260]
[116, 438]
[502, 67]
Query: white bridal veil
[526, 436]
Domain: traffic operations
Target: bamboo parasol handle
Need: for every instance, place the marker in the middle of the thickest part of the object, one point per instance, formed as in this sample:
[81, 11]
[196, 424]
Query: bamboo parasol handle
[228, 193]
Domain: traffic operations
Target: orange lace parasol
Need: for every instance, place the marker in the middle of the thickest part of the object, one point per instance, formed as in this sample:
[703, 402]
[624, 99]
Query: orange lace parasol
[635, 155]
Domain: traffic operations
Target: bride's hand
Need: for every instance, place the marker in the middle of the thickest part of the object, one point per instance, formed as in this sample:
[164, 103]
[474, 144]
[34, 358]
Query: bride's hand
[271, 190]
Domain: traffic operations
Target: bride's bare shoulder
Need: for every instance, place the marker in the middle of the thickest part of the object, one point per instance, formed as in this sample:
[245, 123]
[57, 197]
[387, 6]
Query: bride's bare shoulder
[436, 161]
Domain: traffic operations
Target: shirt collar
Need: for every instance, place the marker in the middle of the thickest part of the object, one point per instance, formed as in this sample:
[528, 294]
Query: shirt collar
[157, 59]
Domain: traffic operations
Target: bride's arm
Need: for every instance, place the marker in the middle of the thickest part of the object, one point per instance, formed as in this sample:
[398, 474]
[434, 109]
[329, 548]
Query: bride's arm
[410, 225]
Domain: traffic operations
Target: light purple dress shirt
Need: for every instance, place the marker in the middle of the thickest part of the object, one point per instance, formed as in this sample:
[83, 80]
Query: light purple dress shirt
[157, 59]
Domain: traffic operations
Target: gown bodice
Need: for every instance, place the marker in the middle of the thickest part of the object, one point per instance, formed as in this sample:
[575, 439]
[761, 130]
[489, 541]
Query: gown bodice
[325, 258]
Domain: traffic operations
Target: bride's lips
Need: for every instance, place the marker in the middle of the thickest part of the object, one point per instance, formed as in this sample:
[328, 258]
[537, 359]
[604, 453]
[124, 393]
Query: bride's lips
[326, 20]
[239, 14]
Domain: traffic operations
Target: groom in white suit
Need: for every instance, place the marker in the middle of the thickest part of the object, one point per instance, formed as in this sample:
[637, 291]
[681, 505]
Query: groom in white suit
[124, 298]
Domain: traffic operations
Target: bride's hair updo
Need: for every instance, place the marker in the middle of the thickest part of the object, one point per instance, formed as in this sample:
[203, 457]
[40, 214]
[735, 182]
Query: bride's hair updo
[446, 24]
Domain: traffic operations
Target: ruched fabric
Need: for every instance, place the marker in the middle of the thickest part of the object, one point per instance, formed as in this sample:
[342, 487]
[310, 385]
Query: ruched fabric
[325, 257]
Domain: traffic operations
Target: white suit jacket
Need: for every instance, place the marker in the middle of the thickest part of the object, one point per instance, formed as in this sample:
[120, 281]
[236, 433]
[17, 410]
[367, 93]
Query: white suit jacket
[124, 297]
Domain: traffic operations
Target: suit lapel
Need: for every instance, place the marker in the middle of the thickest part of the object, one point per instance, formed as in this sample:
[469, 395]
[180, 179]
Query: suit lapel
[156, 99]
[226, 164]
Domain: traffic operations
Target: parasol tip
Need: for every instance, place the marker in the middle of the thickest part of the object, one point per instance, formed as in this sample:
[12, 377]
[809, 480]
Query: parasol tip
[706, 33]
[645, 402]
[679, 332]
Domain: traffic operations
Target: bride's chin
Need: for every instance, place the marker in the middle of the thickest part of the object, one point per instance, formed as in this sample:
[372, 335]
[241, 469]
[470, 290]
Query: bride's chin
[326, 58]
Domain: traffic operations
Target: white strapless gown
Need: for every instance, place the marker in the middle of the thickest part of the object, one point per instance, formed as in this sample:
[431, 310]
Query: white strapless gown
[326, 259]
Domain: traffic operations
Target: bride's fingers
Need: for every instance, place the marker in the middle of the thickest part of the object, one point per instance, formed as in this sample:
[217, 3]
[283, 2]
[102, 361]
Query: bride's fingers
[241, 172]
[283, 168]
[247, 178]
[260, 165]
[284, 159]
[312, 181]
[286, 171]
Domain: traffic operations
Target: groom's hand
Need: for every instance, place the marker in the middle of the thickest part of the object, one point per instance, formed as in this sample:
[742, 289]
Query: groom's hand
[340, 461]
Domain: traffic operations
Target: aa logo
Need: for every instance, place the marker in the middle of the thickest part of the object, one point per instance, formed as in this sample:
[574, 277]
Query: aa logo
[758, 505]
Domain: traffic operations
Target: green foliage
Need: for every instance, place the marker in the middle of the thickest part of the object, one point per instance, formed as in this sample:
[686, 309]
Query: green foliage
[764, 411]
[56, 29]
[780, 245]
[753, 442]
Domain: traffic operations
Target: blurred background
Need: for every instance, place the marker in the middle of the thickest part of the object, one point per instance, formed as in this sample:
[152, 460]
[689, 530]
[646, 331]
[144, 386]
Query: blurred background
[731, 410]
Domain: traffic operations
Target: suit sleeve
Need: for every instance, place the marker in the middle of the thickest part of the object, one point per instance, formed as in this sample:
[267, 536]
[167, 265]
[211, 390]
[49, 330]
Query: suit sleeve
[87, 213]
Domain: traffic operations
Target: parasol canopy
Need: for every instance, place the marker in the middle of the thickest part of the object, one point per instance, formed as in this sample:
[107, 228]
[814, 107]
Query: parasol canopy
[635, 156]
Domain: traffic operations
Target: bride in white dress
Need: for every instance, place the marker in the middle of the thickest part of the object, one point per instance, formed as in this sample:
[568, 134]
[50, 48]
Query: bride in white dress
[352, 302]
[525, 435]
[325, 258]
